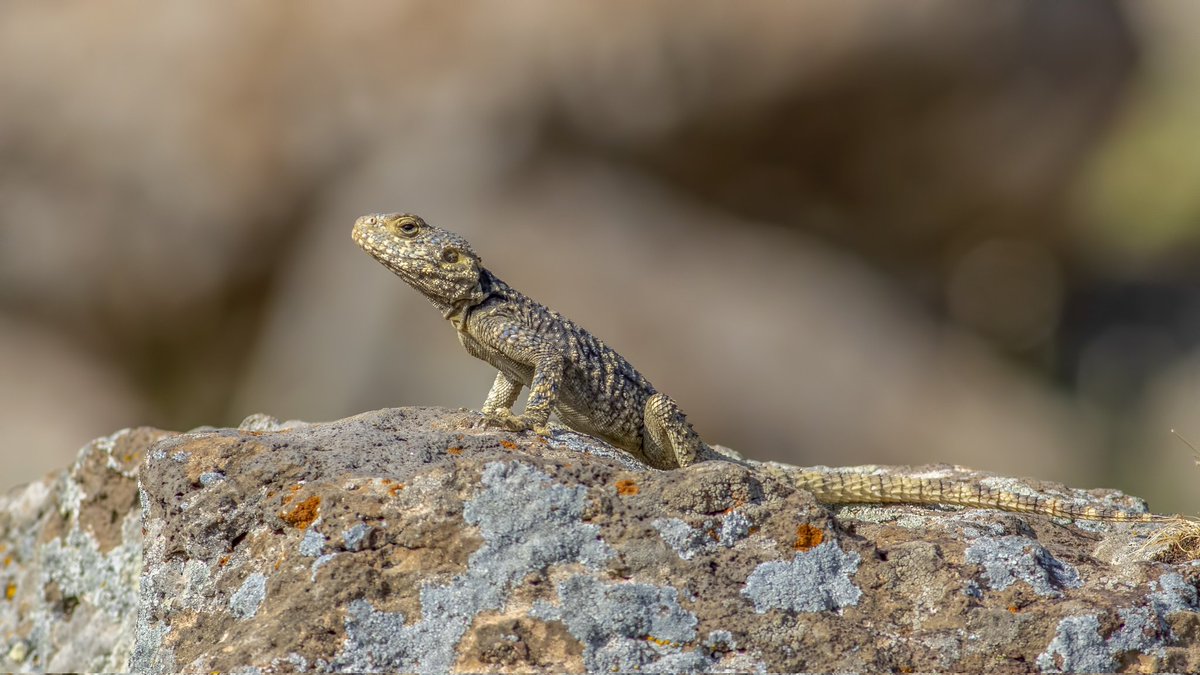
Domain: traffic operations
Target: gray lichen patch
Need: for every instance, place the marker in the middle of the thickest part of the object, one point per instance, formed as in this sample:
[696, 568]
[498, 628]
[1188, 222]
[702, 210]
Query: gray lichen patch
[70, 560]
[354, 538]
[150, 654]
[626, 627]
[378, 641]
[313, 542]
[1006, 560]
[817, 580]
[246, 600]
[713, 533]
[78, 568]
[573, 442]
[1079, 647]
[197, 584]
[1172, 593]
[528, 523]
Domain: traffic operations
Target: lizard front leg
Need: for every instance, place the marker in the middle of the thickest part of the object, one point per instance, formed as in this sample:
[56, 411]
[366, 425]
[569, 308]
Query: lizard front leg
[524, 346]
[543, 391]
[497, 409]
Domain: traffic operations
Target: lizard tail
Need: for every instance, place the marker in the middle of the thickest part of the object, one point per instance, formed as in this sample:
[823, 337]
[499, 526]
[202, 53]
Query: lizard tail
[857, 487]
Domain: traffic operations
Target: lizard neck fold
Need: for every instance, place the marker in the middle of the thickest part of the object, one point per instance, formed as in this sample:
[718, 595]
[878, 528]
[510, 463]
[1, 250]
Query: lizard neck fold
[456, 312]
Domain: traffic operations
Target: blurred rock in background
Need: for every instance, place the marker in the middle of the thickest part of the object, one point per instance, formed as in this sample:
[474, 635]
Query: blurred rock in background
[835, 232]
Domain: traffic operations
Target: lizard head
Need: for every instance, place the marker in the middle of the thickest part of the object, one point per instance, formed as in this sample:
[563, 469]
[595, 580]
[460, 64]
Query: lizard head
[436, 262]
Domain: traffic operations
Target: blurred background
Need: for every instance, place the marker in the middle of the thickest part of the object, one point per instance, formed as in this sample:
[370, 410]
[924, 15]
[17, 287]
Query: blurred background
[836, 232]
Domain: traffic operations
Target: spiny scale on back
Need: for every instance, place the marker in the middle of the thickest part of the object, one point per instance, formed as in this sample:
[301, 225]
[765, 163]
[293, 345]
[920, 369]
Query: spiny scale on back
[594, 390]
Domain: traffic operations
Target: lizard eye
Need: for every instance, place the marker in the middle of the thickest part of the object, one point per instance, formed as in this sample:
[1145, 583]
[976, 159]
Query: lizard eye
[450, 255]
[409, 228]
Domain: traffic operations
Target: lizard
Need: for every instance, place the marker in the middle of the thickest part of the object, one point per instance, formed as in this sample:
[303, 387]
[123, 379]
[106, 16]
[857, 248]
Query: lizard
[594, 390]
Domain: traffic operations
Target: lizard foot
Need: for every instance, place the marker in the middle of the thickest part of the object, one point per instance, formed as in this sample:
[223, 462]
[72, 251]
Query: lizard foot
[503, 419]
[531, 423]
[506, 420]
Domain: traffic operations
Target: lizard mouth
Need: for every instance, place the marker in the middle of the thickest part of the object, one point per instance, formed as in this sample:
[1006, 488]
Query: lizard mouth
[397, 262]
[370, 240]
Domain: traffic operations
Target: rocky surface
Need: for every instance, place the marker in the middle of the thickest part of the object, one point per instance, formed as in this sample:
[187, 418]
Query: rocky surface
[70, 559]
[413, 540]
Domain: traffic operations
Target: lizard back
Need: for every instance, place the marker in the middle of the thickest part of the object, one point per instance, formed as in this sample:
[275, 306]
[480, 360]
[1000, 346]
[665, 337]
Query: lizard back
[601, 393]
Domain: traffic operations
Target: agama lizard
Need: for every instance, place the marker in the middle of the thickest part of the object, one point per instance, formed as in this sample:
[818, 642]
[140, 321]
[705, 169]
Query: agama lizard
[594, 390]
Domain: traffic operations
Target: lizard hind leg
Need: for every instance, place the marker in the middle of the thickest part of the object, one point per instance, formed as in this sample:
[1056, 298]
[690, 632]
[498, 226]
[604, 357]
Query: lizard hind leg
[669, 441]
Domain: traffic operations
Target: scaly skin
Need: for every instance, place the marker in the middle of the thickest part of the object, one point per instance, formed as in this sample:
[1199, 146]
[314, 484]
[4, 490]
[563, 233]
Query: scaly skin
[594, 390]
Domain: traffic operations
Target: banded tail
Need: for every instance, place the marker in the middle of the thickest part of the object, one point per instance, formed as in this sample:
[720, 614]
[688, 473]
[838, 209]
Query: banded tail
[840, 486]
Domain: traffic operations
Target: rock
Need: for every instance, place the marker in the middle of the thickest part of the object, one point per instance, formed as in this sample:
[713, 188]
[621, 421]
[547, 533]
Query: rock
[70, 559]
[409, 540]
[413, 540]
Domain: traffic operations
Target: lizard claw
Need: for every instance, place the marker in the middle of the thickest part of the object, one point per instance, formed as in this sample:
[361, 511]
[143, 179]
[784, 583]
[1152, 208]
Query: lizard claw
[504, 419]
[530, 423]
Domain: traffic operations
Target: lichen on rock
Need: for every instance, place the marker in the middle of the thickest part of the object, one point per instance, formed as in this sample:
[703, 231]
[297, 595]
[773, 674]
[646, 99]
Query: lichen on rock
[413, 539]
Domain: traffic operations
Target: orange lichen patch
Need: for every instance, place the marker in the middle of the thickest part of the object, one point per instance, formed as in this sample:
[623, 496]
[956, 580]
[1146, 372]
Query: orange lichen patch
[627, 487]
[808, 537]
[508, 445]
[386, 481]
[661, 642]
[223, 561]
[304, 514]
[395, 489]
[454, 451]
[1014, 609]
[7, 560]
[10, 591]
